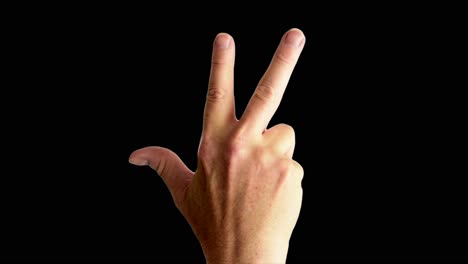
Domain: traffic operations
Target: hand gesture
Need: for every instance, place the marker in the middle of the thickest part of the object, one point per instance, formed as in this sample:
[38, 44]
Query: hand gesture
[244, 199]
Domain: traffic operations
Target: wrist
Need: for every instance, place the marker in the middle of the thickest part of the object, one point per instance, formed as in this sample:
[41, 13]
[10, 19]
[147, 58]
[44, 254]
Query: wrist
[237, 251]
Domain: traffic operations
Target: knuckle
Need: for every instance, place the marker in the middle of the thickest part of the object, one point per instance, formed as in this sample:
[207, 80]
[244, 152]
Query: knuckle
[288, 129]
[204, 151]
[284, 170]
[161, 166]
[217, 63]
[290, 170]
[208, 149]
[283, 59]
[285, 134]
[300, 171]
[215, 93]
[223, 150]
[265, 91]
[234, 146]
[297, 171]
[232, 149]
[231, 155]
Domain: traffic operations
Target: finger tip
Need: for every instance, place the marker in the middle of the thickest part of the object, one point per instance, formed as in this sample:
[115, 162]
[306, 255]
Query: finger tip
[294, 37]
[296, 30]
[223, 34]
[137, 161]
[223, 40]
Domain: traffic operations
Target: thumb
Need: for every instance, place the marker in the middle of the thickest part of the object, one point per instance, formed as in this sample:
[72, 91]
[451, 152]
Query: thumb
[166, 163]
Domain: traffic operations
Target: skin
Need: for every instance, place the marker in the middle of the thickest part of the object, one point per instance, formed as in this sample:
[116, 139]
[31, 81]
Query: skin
[243, 200]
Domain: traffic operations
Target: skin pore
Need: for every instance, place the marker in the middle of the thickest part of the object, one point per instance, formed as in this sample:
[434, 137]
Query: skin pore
[244, 198]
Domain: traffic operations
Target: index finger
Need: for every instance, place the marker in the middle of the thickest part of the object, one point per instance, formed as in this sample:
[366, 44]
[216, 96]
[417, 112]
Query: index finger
[219, 107]
[270, 90]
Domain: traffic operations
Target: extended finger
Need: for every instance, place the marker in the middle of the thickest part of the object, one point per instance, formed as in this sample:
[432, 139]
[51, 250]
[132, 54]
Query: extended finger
[219, 107]
[270, 89]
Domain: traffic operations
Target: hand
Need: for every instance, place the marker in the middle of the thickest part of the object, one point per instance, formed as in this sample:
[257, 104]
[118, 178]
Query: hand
[244, 199]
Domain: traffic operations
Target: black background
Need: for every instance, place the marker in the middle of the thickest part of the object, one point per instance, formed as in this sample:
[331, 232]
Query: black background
[375, 121]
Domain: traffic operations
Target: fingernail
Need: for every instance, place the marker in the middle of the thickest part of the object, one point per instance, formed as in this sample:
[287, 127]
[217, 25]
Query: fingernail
[138, 162]
[294, 38]
[222, 40]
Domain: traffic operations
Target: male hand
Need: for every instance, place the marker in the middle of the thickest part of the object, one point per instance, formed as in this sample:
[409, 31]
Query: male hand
[244, 199]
